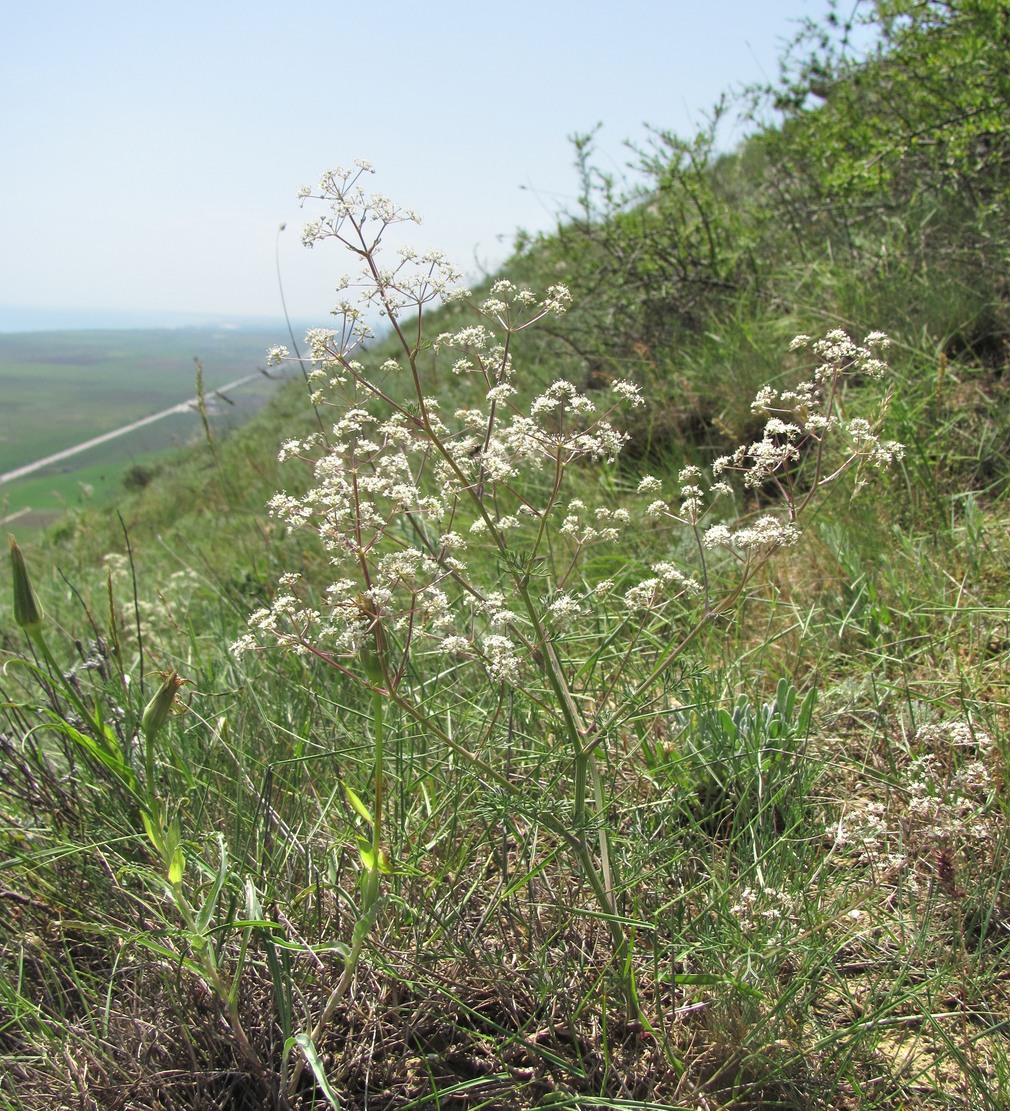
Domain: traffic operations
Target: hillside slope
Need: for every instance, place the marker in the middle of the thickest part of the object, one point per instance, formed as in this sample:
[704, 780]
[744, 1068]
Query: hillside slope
[539, 747]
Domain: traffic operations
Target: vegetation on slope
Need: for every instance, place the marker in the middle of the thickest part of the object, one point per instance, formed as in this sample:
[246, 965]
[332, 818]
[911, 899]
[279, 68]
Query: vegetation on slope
[776, 879]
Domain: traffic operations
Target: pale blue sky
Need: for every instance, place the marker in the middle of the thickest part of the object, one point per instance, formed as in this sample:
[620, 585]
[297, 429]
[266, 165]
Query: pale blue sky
[151, 150]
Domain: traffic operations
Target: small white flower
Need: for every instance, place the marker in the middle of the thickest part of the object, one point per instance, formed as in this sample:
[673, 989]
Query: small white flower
[717, 536]
[502, 663]
[629, 392]
[644, 595]
[564, 609]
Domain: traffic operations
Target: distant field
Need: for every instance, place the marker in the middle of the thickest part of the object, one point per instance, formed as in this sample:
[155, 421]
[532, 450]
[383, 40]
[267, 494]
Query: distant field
[58, 389]
[92, 476]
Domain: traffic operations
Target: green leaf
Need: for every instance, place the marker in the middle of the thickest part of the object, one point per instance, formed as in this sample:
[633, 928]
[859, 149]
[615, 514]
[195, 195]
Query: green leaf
[700, 979]
[338, 947]
[177, 867]
[153, 833]
[108, 755]
[305, 1044]
[278, 960]
[207, 910]
[367, 853]
[170, 851]
[359, 807]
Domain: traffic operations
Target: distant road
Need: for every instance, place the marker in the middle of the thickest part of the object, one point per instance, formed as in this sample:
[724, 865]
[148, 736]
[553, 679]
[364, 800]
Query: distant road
[182, 407]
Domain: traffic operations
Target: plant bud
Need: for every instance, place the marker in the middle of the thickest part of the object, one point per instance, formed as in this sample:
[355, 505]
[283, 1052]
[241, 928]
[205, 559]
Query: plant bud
[160, 706]
[28, 613]
[372, 664]
[371, 650]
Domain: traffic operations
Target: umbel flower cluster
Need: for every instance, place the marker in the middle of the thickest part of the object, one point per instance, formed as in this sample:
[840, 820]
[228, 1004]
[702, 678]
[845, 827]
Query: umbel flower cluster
[799, 422]
[417, 504]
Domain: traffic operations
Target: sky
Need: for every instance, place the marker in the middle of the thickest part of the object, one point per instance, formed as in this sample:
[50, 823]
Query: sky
[152, 150]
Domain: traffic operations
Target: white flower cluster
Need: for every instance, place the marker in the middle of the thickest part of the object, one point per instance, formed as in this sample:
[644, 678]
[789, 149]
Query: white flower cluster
[951, 785]
[798, 422]
[399, 490]
[607, 526]
[668, 583]
[946, 802]
[765, 534]
[866, 831]
[359, 220]
[765, 910]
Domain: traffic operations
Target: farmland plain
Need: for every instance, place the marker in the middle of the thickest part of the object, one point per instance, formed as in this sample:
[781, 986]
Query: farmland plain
[60, 389]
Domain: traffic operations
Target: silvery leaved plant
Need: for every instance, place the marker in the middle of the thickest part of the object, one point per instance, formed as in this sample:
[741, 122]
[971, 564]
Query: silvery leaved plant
[459, 547]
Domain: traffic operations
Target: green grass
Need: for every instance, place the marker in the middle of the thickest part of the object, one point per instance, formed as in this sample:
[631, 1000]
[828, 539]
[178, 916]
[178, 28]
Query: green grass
[799, 937]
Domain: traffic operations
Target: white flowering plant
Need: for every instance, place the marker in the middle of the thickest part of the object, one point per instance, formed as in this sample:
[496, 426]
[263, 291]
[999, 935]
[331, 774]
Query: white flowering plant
[461, 554]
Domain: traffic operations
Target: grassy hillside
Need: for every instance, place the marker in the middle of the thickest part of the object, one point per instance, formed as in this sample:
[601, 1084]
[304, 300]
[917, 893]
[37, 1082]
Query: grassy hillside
[539, 747]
